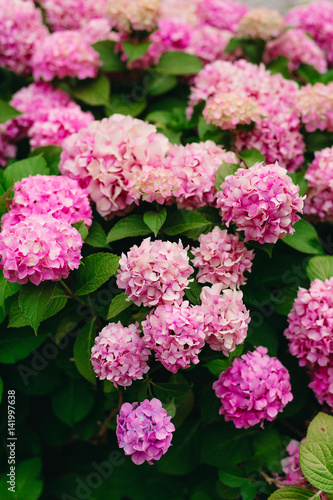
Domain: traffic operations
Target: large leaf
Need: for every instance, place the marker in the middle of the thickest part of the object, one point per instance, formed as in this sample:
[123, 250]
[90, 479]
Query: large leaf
[33, 301]
[316, 460]
[179, 63]
[73, 402]
[110, 60]
[251, 156]
[7, 289]
[118, 305]
[7, 112]
[95, 270]
[161, 83]
[120, 103]
[304, 239]
[320, 267]
[20, 169]
[292, 493]
[95, 92]
[28, 485]
[185, 220]
[135, 51]
[96, 236]
[51, 155]
[155, 220]
[82, 351]
[131, 226]
[321, 429]
[224, 170]
[232, 476]
[18, 344]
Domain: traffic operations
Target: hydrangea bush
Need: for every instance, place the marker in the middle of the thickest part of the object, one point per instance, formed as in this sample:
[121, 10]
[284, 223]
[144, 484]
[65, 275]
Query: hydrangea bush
[166, 251]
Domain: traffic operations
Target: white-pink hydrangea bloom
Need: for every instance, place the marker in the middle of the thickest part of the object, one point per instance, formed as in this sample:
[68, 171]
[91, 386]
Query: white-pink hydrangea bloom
[119, 354]
[262, 201]
[59, 196]
[229, 109]
[195, 166]
[144, 430]
[225, 316]
[222, 258]
[314, 103]
[39, 248]
[154, 184]
[156, 272]
[72, 14]
[322, 382]
[319, 200]
[65, 53]
[103, 155]
[223, 14]
[181, 9]
[176, 334]
[127, 16]
[299, 48]
[310, 324]
[255, 388]
[21, 31]
[291, 466]
[261, 23]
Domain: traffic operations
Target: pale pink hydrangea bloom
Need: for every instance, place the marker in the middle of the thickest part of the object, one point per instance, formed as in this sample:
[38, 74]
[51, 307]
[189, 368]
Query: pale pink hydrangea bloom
[317, 19]
[153, 184]
[255, 388]
[222, 258]
[39, 248]
[72, 14]
[7, 148]
[156, 272]
[21, 32]
[261, 23]
[208, 43]
[144, 430]
[223, 14]
[65, 53]
[176, 334]
[120, 354]
[225, 316]
[103, 155]
[319, 200]
[96, 30]
[322, 382]
[291, 466]
[298, 48]
[310, 324]
[314, 103]
[181, 9]
[262, 201]
[59, 196]
[229, 109]
[127, 16]
[195, 166]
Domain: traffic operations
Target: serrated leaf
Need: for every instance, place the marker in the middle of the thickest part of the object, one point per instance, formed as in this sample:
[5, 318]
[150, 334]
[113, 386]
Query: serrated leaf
[130, 226]
[320, 267]
[111, 61]
[56, 304]
[82, 351]
[95, 270]
[7, 112]
[73, 402]
[304, 239]
[23, 168]
[185, 220]
[7, 289]
[292, 493]
[178, 63]
[135, 51]
[118, 305]
[96, 236]
[33, 301]
[321, 429]
[232, 476]
[81, 229]
[155, 220]
[223, 171]
[316, 460]
[217, 366]
[95, 92]
[251, 156]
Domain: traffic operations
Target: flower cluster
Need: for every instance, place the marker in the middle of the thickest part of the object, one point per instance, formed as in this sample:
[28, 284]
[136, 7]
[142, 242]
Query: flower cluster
[229, 109]
[314, 103]
[322, 383]
[262, 201]
[154, 184]
[176, 334]
[291, 466]
[144, 430]
[72, 14]
[156, 272]
[223, 14]
[261, 23]
[126, 15]
[120, 354]
[226, 318]
[319, 200]
[255, 388]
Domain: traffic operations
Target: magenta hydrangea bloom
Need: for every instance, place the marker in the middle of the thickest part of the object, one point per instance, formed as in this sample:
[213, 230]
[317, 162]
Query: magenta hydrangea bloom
[21, 32]
[262, 201]
[223, 14]
[144, 430]
[57, 195]
[314, 103]
[310, 324]
[72, 14]
[65, 53]
[255, 388]
[261, 23]
[176, 334]
[120, 354]
[299, 48]
[156, 272]
[226, 318]
[127, 16]
[39, 248]
[7, 147]
[229, 109]
[222, 258]
[322, 382]
[103, 156]
[291, 466]
[319, 200]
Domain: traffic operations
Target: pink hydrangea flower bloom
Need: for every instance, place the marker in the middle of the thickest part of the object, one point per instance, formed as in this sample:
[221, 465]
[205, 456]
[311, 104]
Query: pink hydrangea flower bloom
[120, 354]
[21, 32]
[314, 103]
[153, 184]
[229, 109]
[319, 200]
[208, 43]
[222, 258]
[322, 382]
[72, 14]
[181, 9]
[7, 148]
[262, 201]
[223, 14]
[144, 430]
[127, 16]
[226, 318]
[103, 156]
[156, 272]
[39, 248]
[291, 466]
[298, 48]
[65, 53]
[255, 388]
[261, 23]
[310, 324]
[59, 196]
[176, 334]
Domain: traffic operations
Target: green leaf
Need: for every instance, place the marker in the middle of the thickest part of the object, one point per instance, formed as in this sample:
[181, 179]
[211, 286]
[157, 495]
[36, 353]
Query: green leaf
[224, 170]
[320, 267]
[170, 408]
[321, 429]
[18, 344]
[33, 301]
[309, 73]
[96, 236]
[51, 155]
[155, 220]
[185, 220]
[268, 449]
[210, 132]
[23, 168]
[291, 493]
[304, 239]
[7, 112]
[166, 391]
[1, 389]
[178, 63]
[81, 229]
[73, 402]
[82, 351]
[279, 65]
[95, 270]
[298, 179]
[28, 485]
[135, 51]
[248, 490]
[316, 460]
[7, 289]
[120, 103]
[251, 156]
[111, 61]
[234, 43]
[95, 92]
[118, 305]
[232, 476]
[217, 366]
[161, 83]
[318, 140]
[130, 226]
[193, 291]
[56, 304]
